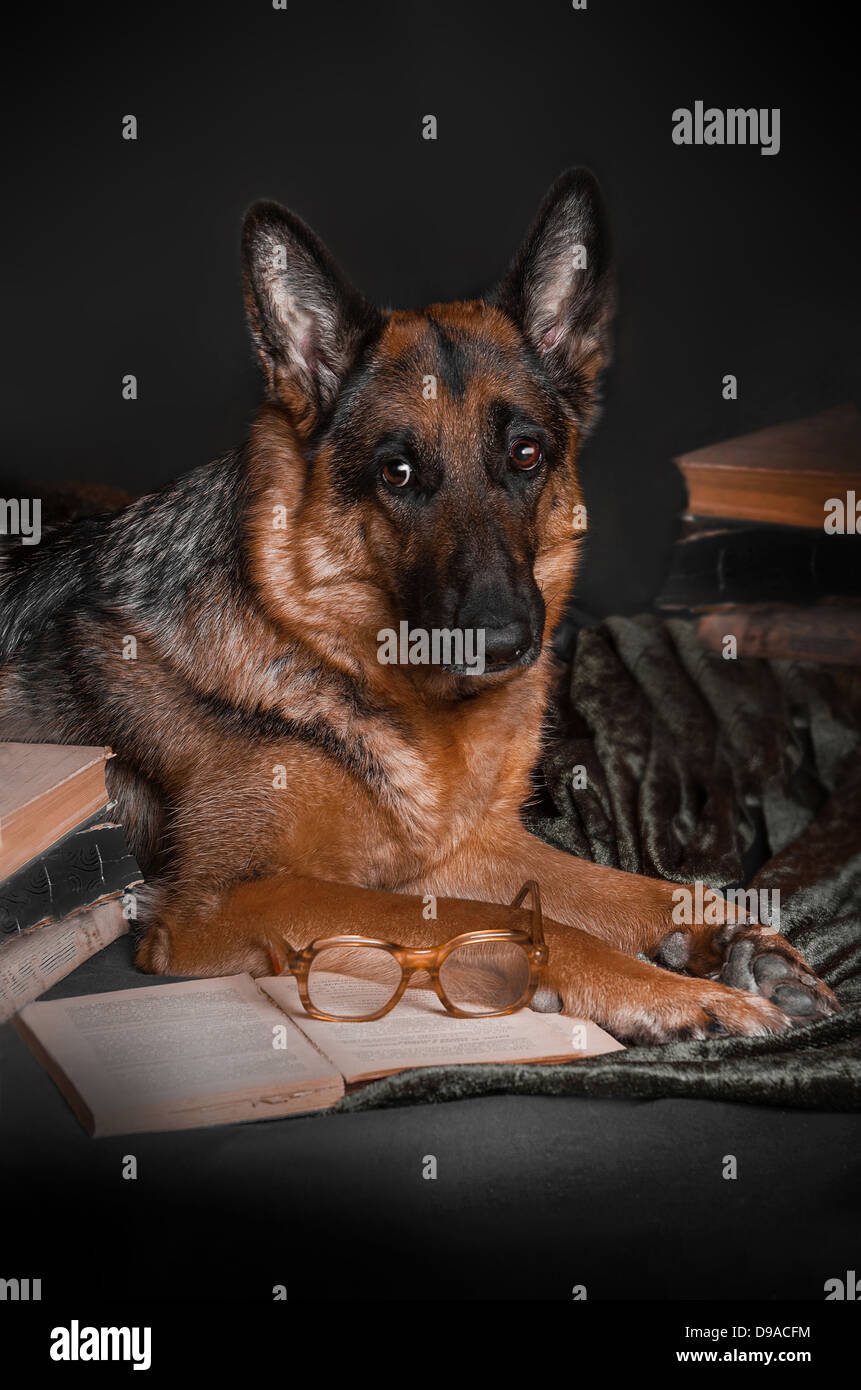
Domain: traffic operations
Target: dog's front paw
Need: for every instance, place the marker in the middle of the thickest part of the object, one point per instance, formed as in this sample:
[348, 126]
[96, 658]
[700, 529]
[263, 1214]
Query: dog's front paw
[686, 1009]
[640, 1004]
[153, 951]
[747, 956]
[764, 963]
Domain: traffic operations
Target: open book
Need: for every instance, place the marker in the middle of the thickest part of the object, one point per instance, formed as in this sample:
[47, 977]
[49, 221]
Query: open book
[208, 1052]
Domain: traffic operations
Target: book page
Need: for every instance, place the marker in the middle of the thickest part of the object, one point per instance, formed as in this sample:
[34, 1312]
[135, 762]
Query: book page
[33, 962]
[179, 1055]
[419, 1033]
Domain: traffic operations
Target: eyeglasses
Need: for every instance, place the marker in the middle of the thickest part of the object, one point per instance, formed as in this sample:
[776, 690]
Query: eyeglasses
[479, 974]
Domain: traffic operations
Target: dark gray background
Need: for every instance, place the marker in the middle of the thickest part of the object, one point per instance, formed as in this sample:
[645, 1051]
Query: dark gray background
[122, 257]
[533, 1195]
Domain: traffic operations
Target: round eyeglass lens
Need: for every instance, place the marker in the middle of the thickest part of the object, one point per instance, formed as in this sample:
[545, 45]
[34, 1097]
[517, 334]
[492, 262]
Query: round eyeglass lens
[485, 977]
[352, 981]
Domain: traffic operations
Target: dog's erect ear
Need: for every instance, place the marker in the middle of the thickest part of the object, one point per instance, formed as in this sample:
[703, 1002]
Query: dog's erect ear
[308, 323]
[559, 289]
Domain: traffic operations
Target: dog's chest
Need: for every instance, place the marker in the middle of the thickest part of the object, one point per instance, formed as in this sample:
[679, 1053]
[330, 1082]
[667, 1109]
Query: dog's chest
[385, 795]
[460, 767]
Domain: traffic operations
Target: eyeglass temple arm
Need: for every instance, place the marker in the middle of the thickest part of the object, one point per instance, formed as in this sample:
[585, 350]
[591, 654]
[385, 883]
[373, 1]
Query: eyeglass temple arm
[531, 888]
[281, 956]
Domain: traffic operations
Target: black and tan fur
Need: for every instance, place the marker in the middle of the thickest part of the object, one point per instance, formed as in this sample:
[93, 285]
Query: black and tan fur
[265, 756]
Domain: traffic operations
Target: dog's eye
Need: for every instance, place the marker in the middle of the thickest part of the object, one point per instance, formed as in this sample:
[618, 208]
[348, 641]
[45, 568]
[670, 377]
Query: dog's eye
[525, 454]
[397, 472]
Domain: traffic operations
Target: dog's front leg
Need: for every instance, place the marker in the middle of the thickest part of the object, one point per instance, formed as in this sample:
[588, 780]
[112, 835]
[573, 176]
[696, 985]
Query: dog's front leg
[243, 927]
[635, 915]
[629, 911]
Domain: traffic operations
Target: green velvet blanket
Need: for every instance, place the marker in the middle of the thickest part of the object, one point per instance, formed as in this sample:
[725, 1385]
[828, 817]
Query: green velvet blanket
[730, 771]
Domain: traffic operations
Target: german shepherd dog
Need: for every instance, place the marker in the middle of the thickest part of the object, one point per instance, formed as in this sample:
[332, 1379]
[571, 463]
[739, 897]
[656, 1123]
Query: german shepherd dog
[268, 764]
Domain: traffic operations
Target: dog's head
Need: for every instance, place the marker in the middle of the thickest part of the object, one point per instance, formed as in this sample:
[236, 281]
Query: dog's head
[446, 437]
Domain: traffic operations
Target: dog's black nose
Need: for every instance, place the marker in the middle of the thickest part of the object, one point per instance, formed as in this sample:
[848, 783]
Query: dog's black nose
[503, 646]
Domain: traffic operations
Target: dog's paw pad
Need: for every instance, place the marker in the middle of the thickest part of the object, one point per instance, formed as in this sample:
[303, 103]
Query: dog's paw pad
[777, 973]
[674, 951]
[737, 970]
[546, 1001]
[771, 967]
[794, 999]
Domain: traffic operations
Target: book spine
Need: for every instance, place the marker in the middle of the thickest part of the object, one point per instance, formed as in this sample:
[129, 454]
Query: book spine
[33, 963]
[820, 634]
[758, 565]
[88, 865]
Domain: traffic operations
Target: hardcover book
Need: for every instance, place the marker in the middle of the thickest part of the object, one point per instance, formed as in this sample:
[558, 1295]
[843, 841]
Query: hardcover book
[46, 790]
[87, 866]
[828, 632]
[786, 473]
[742, 563]
[32, 962]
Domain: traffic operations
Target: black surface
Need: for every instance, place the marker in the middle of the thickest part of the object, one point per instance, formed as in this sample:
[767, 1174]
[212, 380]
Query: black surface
[122, 257]
[533, 1196]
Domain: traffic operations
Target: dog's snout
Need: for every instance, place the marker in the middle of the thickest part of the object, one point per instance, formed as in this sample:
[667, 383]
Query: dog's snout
[506, 623]
[505, 645]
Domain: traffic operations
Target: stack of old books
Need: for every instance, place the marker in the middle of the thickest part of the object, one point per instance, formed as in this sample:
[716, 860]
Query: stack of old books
[65, 868]
[770, 549]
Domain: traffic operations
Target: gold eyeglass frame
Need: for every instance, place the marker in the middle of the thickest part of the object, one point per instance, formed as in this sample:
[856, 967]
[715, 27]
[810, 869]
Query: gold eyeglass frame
[429, 958]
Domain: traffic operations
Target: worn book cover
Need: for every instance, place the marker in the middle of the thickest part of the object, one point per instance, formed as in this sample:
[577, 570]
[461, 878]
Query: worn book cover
[786, 473]
[87, 866]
